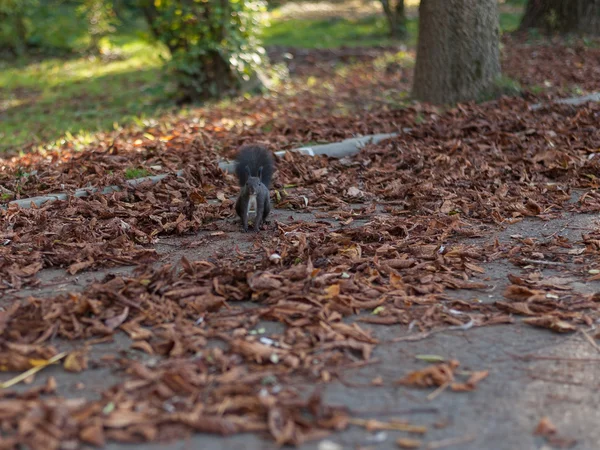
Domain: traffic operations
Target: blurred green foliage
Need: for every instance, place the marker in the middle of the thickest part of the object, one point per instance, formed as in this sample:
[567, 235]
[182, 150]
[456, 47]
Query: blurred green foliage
[53, 27]
[15, 24]
[213, 44]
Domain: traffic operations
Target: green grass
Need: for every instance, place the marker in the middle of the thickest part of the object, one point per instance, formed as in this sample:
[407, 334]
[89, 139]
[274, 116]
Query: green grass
[133, 173]
[338, 32]
[509, 22]
[44, 100]
[332, 33]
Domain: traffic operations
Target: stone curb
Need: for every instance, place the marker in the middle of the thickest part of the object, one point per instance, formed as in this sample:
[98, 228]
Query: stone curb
[574, 101]
[341, 149]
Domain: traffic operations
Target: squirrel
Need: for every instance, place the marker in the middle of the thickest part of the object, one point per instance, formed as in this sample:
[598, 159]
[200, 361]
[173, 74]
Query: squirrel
[254, 169]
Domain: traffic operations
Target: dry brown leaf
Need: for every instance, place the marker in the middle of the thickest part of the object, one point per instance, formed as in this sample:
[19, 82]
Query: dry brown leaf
[197, 198]
[521, 293]
[79, 266]
[377, 381]
[262, 353]
[76, 361]
[474, 267]
[552, 323]
[263, 281]
[332, 291]
[93, 434]
[136, 332]
[471, 383]
[124, 418]
[116, 321]
[352, 344]
[434, 375]
[143, 346]
[7, 314]
[408, 443]
[545, 427]
[282, 428]
[516, 308]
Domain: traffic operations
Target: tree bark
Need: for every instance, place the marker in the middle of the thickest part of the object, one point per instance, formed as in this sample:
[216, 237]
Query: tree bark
[457, 53]
[396, 17]
[562, 16]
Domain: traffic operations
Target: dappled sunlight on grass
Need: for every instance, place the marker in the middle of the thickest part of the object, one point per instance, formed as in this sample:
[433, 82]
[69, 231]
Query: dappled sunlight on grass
[49, 98]
[328, 33]
[304, 103]
[56, 71]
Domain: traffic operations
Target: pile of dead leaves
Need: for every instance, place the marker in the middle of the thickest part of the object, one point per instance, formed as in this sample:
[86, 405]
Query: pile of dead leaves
[553, 67]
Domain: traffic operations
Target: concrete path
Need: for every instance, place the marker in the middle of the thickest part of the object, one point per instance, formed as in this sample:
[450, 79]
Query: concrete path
[533, 372]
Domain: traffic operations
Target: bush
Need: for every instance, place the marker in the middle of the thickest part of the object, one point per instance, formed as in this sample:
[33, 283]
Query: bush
[214, 47]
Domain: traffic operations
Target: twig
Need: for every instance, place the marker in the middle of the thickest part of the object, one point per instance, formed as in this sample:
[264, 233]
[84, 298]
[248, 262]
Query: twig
[558, 231]
[438, 391]
[590, 340]
[550, 380]
[539, 261]
[359, 364]
[552, 358]
[417, 336]
[367, 412]
[371, 424]
[32, 371]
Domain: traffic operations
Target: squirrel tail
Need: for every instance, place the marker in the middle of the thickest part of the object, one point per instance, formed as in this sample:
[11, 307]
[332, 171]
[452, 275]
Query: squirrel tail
[256, 161]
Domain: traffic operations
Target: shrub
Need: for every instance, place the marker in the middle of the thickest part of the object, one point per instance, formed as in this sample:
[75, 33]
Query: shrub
[214, 47]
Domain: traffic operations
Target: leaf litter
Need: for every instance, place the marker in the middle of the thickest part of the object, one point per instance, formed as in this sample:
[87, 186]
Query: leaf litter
[405, 207]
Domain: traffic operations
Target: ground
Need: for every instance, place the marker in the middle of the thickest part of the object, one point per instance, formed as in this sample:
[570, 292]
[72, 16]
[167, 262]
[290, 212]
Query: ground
[532, 372]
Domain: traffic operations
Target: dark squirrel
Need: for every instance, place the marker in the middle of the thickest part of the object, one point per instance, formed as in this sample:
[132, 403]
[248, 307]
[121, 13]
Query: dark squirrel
[254, 169]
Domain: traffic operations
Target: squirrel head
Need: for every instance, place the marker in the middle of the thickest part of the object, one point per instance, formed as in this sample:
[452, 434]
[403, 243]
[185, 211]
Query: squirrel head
[253, 183]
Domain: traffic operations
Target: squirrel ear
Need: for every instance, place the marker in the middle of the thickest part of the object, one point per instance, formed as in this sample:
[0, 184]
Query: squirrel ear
[260, 172]
[248, 171]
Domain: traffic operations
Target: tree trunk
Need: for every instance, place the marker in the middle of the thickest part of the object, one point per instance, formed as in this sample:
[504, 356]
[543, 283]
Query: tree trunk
[396, 17]
[457, 52]
[20, 34]
[562, 16]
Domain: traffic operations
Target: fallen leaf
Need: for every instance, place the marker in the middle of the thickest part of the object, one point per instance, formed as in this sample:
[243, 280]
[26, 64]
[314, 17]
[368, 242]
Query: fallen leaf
[521, 293]
[435, 375]
[332, 291]
[471, 383]
[76, 361]
[408, 443]
[545, 427]
[93, 434]
[143, 346]
[551, 322]
[115, 321]
[79, 266]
